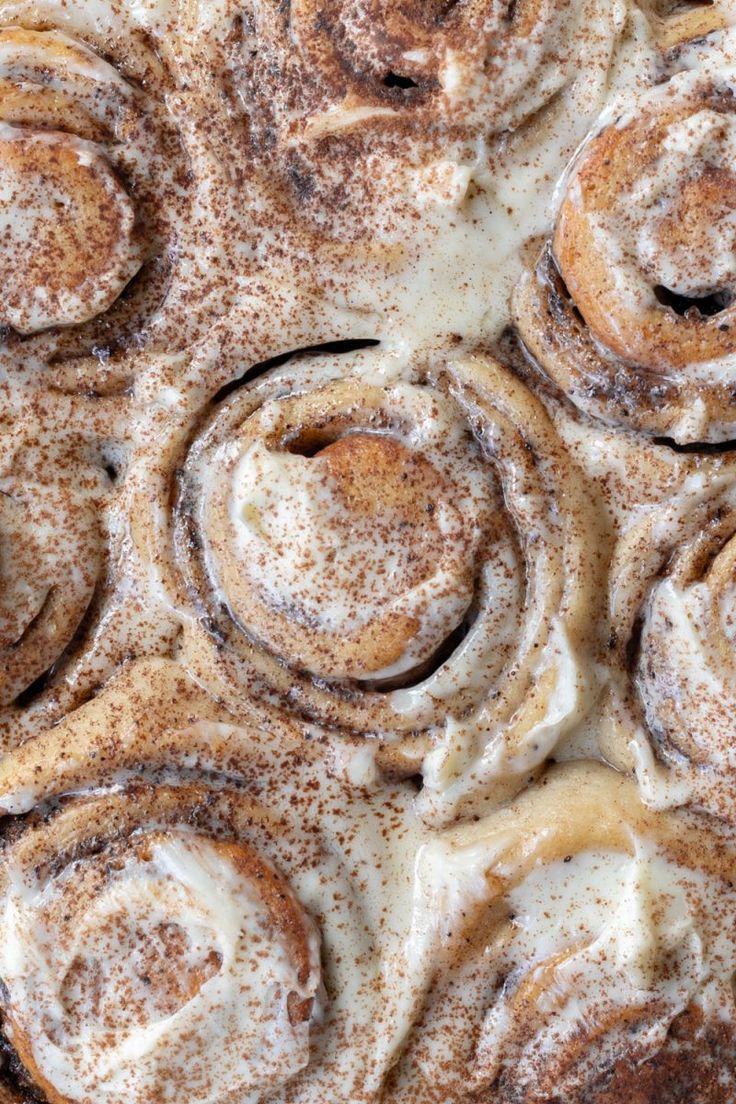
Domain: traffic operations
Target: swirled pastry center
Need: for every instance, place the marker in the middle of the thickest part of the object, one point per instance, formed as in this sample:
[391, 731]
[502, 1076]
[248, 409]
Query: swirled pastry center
[345, 539]
[127, 968]
[433, 45]
[645, 234]
[66, 230]
[674, 228]
[598, 948]
[687, 208]
[353, 561]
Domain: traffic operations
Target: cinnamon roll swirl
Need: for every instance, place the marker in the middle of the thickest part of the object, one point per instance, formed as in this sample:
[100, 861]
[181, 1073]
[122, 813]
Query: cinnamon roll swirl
[576, 947]
[191, 922]
[672, 648]
[96, 194]
[368, 135]
[348, 62]
[385, 552]
[630, 308]
[58, 467]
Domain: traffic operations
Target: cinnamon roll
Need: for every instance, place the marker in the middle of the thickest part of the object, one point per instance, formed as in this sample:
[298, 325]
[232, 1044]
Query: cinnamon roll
[349, 62]
[90, 473]
[671, 645]
[96, 195]
[384, 554]
[56, 485]
[630, 308]
[575, 946]
[370, 133]
[191, 921]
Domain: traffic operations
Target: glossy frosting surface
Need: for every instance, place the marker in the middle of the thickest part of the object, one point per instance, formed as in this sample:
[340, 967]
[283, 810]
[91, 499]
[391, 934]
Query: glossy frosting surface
[367, 551]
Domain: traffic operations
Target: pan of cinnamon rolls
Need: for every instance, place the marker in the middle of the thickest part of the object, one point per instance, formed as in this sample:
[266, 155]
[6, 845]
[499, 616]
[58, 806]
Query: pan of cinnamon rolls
[367, 552]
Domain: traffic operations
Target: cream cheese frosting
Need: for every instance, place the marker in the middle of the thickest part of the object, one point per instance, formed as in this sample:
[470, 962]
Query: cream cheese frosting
[366, 656]
[90, 1005]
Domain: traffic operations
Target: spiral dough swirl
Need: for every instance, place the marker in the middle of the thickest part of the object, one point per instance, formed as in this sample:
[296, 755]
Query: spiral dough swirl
[366, 556]
[573, 944]
[631, 308]
[177, 927]
[95, 186]
[671, 602]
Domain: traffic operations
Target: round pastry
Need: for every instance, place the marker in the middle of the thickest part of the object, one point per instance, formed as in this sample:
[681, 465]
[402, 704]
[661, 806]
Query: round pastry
[671, 600]
[630, 308]
[574, 946]
[386, 555]
[369, 132]
[96, 197]
[191, 922]
[66, 269]
[77, 595]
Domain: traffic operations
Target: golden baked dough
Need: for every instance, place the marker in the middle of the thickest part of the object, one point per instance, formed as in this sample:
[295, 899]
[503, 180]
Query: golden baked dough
[557, 913]
[630, 308]
[367, 514]
[163, 929]
[671, 631]
[303, 599]
[95, 186]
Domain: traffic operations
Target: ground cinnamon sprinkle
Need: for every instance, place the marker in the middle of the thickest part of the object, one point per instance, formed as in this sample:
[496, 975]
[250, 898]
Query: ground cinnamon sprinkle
[367, 513]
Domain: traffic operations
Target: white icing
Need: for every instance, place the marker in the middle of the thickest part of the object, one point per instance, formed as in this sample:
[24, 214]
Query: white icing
[239, 1013]
[452, 237]
[33, 206]
[600, 933]
[276, 496]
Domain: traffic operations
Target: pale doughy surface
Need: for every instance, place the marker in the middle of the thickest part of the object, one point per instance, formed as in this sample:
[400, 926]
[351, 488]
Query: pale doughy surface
[367, 681]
